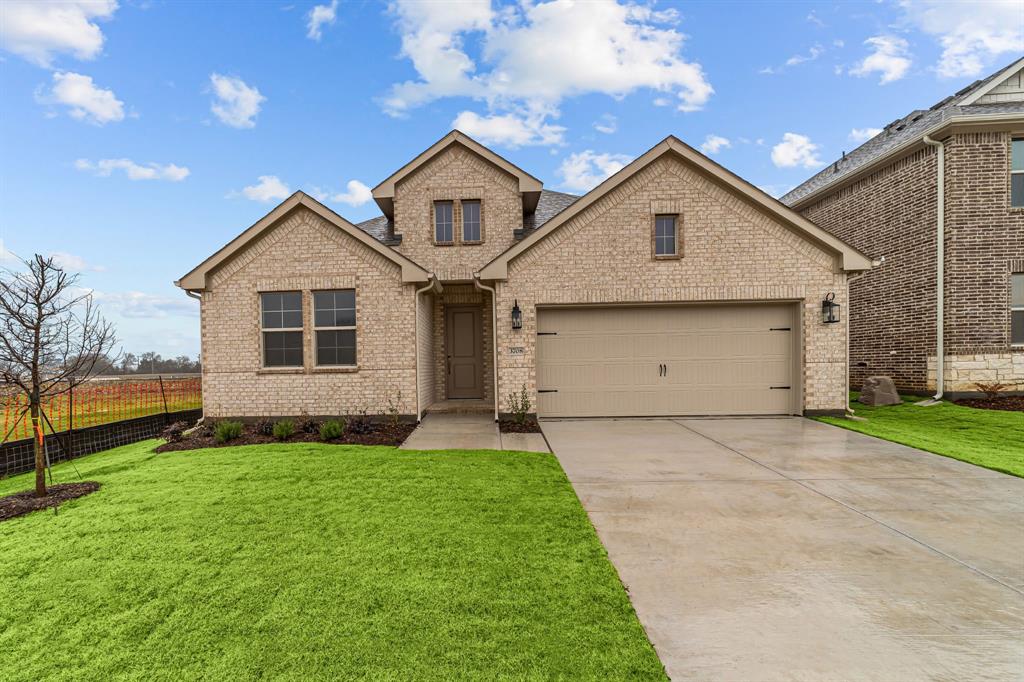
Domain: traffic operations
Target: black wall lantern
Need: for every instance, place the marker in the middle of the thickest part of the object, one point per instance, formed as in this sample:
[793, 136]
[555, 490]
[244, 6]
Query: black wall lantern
[517, 316]
[829, 310]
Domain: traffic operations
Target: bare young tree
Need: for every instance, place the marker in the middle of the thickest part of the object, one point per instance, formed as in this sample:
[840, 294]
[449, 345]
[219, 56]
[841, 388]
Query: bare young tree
[51, 339]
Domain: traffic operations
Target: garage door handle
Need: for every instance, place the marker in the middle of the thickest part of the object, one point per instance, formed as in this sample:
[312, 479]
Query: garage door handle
[779, 329]
[779, 387]
[547, 390]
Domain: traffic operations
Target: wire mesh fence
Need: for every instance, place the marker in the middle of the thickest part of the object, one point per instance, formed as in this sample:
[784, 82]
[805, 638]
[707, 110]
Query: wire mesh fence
[102, 400]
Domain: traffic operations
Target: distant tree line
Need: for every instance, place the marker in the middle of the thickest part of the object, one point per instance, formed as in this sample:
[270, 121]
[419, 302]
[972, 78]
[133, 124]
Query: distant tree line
[148, 363]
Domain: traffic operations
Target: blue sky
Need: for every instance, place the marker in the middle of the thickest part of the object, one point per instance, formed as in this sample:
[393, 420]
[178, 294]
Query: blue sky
[139, 137]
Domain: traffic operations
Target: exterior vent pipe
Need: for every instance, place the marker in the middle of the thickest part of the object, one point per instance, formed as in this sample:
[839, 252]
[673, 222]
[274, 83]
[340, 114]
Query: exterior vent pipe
[940, 228]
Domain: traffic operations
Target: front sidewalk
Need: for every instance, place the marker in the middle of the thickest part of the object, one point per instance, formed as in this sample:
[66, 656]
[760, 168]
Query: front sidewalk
[454, 431]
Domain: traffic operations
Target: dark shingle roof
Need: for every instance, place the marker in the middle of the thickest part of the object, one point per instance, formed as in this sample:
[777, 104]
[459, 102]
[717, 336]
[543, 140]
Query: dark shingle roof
[899, 132]
[378, 228]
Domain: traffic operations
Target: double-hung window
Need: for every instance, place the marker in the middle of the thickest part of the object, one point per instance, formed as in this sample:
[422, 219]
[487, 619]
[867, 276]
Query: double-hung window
[1017, 309]
[1017, 173]
[666, 236]
[443, 223]
[334, 321]
[281, 325]
[471, 221]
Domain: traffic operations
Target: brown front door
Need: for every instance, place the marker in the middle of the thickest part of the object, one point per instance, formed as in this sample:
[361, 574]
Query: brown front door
[463, 344]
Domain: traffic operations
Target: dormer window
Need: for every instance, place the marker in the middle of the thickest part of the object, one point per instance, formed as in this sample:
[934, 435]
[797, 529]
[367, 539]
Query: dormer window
[444, 232]
[471, 221]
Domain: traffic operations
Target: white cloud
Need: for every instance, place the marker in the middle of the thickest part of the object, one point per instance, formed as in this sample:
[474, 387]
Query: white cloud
[356, 194]
[318, 17]
[813, 53]
[587, 169]
[607, 124]
[534, 55]
[863, 134]
[87, 101]
[509, 130]
[237, 104]
[150, 171]
[6, 255]
[38, 31]
[813, 19]
[269, 188]
[890, 57]
[714, 144]
[796, 150]
[73, 263]
[137, 304]
[972, 35]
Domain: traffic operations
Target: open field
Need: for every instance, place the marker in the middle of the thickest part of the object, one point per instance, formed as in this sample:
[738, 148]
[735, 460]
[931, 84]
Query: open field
[311, 561]
[102, 401]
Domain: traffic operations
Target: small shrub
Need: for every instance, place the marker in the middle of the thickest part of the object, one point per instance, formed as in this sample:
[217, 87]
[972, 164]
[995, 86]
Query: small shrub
[264, 427]
[991, 390]
[284, 429]
[308, 425]
[519, 405]
[174, 432]
[227, 430]
[332, 429]
[360, 424]
[394, 410]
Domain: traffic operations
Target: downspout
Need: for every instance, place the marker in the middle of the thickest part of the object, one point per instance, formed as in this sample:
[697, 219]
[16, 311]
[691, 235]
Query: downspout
[940, 216]
[431, 283]
[494, 335]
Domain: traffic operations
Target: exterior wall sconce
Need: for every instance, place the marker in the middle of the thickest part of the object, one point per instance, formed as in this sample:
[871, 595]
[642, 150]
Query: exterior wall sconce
[830, 309]
[517, 316]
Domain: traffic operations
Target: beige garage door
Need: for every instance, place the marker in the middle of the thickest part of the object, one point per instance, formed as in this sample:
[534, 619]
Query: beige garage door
[657, 361]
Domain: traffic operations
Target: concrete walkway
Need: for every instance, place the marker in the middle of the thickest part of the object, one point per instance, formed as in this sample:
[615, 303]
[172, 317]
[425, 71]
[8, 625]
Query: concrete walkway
[454, 431]
[786, 549]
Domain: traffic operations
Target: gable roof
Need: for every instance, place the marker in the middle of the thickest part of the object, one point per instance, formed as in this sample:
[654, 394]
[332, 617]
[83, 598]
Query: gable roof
[905, 134]
[529, 186]
[849, 257]
[197, 277]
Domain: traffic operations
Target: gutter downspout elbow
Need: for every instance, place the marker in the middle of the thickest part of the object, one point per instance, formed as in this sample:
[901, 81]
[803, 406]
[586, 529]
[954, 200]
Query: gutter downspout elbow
[431, 283]
[940, 257]
[494, 335]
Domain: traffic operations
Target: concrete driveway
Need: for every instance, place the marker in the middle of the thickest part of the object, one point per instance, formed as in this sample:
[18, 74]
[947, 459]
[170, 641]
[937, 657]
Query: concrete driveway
[786, 549]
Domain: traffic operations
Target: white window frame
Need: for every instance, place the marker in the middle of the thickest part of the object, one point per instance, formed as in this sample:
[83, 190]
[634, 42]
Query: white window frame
[1014, 172]
[265, 330]
[675, 235]
[352, 327]
[1014, 308]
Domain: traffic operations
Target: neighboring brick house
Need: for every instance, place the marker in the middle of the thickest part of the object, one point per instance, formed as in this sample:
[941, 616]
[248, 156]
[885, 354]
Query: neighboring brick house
[673, 288]
[883, 198]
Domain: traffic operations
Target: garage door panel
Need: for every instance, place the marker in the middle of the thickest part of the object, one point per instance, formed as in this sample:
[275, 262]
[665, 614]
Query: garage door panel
[717, 359]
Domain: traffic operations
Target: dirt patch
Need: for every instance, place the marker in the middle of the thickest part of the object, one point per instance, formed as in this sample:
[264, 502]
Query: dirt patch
[512, 426]
[372, 434]
[19, 504]
[1012, 403]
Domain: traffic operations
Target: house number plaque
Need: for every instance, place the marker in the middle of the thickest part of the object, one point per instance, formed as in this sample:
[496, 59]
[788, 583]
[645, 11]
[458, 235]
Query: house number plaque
[516, 350]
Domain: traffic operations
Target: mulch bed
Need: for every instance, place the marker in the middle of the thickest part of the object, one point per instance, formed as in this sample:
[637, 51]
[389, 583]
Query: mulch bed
[512, 426]
[377, 434]
[1012, 403]
[19, 504]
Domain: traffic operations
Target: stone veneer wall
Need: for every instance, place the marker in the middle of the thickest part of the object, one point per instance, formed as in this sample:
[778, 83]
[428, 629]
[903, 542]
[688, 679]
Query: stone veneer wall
[961, 373]
[304, 252]
[732, 252]
[457, 174]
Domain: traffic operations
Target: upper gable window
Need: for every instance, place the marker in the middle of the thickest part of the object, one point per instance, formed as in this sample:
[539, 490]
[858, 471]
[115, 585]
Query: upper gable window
[443, 223]
[1017, 173]
[471, 221]
[666, 236]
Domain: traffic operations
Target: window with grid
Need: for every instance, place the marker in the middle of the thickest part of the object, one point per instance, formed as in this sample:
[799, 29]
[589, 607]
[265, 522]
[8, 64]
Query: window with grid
[1017, 309]
[334, 321]
[1017, 173]
[281, 325]
[471, 221]
[443, 231]
[665, 235]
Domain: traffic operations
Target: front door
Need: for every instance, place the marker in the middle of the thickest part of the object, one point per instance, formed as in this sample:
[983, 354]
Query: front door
[465, 352]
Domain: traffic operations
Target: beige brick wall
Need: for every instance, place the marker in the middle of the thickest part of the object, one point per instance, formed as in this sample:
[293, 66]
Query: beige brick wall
[461, 294]
[732, 252]
[304, 252]
[426, 351]
[457, 174]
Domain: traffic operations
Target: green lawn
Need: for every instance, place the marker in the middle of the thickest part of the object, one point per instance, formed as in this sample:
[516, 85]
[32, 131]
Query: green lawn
[988, 438]
[307, 561]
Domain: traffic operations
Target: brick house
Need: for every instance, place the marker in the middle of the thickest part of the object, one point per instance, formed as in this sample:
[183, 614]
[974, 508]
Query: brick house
[673, 288]
[884, 197]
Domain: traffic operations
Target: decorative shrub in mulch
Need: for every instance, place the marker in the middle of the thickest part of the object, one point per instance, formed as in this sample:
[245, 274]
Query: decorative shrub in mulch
[1012, 403]
[512, 426]
[23, 503]
[356, 433]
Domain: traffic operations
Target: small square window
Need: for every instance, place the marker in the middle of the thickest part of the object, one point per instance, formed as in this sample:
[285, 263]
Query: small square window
[443, 228]
[470, 221]
[665, 236]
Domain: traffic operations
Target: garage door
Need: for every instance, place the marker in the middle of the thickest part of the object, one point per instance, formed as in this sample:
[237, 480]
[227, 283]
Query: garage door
[657, 361]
